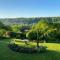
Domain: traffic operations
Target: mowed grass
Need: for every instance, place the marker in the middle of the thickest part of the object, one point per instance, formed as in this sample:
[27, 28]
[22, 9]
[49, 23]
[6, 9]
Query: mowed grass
[53, 52]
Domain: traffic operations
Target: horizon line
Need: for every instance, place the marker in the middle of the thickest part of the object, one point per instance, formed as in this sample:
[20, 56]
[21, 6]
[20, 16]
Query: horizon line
[28, 17]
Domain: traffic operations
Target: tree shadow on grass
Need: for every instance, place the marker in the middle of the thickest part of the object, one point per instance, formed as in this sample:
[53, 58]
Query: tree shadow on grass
[48, 55]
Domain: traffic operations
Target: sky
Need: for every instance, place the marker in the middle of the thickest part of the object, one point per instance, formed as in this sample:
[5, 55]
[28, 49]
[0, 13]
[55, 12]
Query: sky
[29, 8]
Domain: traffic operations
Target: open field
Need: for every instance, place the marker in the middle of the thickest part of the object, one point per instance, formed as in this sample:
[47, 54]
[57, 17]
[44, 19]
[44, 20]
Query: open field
[53, 52]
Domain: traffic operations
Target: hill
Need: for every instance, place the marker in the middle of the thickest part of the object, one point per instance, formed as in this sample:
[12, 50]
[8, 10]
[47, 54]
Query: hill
[9, 21]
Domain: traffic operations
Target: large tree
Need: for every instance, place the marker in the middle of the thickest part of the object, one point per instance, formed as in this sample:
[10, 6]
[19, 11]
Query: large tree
[38, 32]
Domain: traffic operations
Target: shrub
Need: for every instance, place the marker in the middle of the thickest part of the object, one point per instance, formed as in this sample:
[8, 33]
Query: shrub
[41, 49]
[24, 49]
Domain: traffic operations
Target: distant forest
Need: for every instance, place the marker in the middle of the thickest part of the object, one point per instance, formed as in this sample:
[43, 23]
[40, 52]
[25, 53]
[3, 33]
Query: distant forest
[9, 21]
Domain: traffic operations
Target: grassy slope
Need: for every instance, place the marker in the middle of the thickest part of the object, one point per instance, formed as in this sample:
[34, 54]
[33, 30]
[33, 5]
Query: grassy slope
[7, 54]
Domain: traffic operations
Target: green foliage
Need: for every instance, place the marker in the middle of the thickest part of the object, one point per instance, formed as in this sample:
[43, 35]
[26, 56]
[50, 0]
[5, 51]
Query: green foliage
[24, 28]
[1, 25]
[34, 35]
[16, 28]
[20, 27]
[37, 32]
[17, 35]
[44, 31]
[2, 32]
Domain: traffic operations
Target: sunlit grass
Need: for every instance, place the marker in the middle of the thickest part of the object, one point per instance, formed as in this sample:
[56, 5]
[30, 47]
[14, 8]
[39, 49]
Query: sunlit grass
[50, 46]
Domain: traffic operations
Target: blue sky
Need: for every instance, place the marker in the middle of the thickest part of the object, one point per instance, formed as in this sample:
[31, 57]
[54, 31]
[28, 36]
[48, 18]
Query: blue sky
[29, 8]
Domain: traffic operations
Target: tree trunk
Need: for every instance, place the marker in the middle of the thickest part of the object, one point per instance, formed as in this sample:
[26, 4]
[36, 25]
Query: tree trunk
[37, 43]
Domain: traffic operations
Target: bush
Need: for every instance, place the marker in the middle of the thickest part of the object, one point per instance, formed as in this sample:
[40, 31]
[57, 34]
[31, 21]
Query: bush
[41, 49]
[24, 49]
[1, 37]
[17, 35]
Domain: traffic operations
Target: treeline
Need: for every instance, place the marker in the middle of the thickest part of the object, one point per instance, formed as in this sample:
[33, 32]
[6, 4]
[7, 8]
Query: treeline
[17, 31]
[46, 29]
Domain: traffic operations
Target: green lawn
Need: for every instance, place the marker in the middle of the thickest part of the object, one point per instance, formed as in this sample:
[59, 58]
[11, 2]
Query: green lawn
[7, 54]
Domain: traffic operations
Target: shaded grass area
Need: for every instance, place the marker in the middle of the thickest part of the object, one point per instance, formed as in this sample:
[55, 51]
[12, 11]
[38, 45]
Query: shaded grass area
[53, 52]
